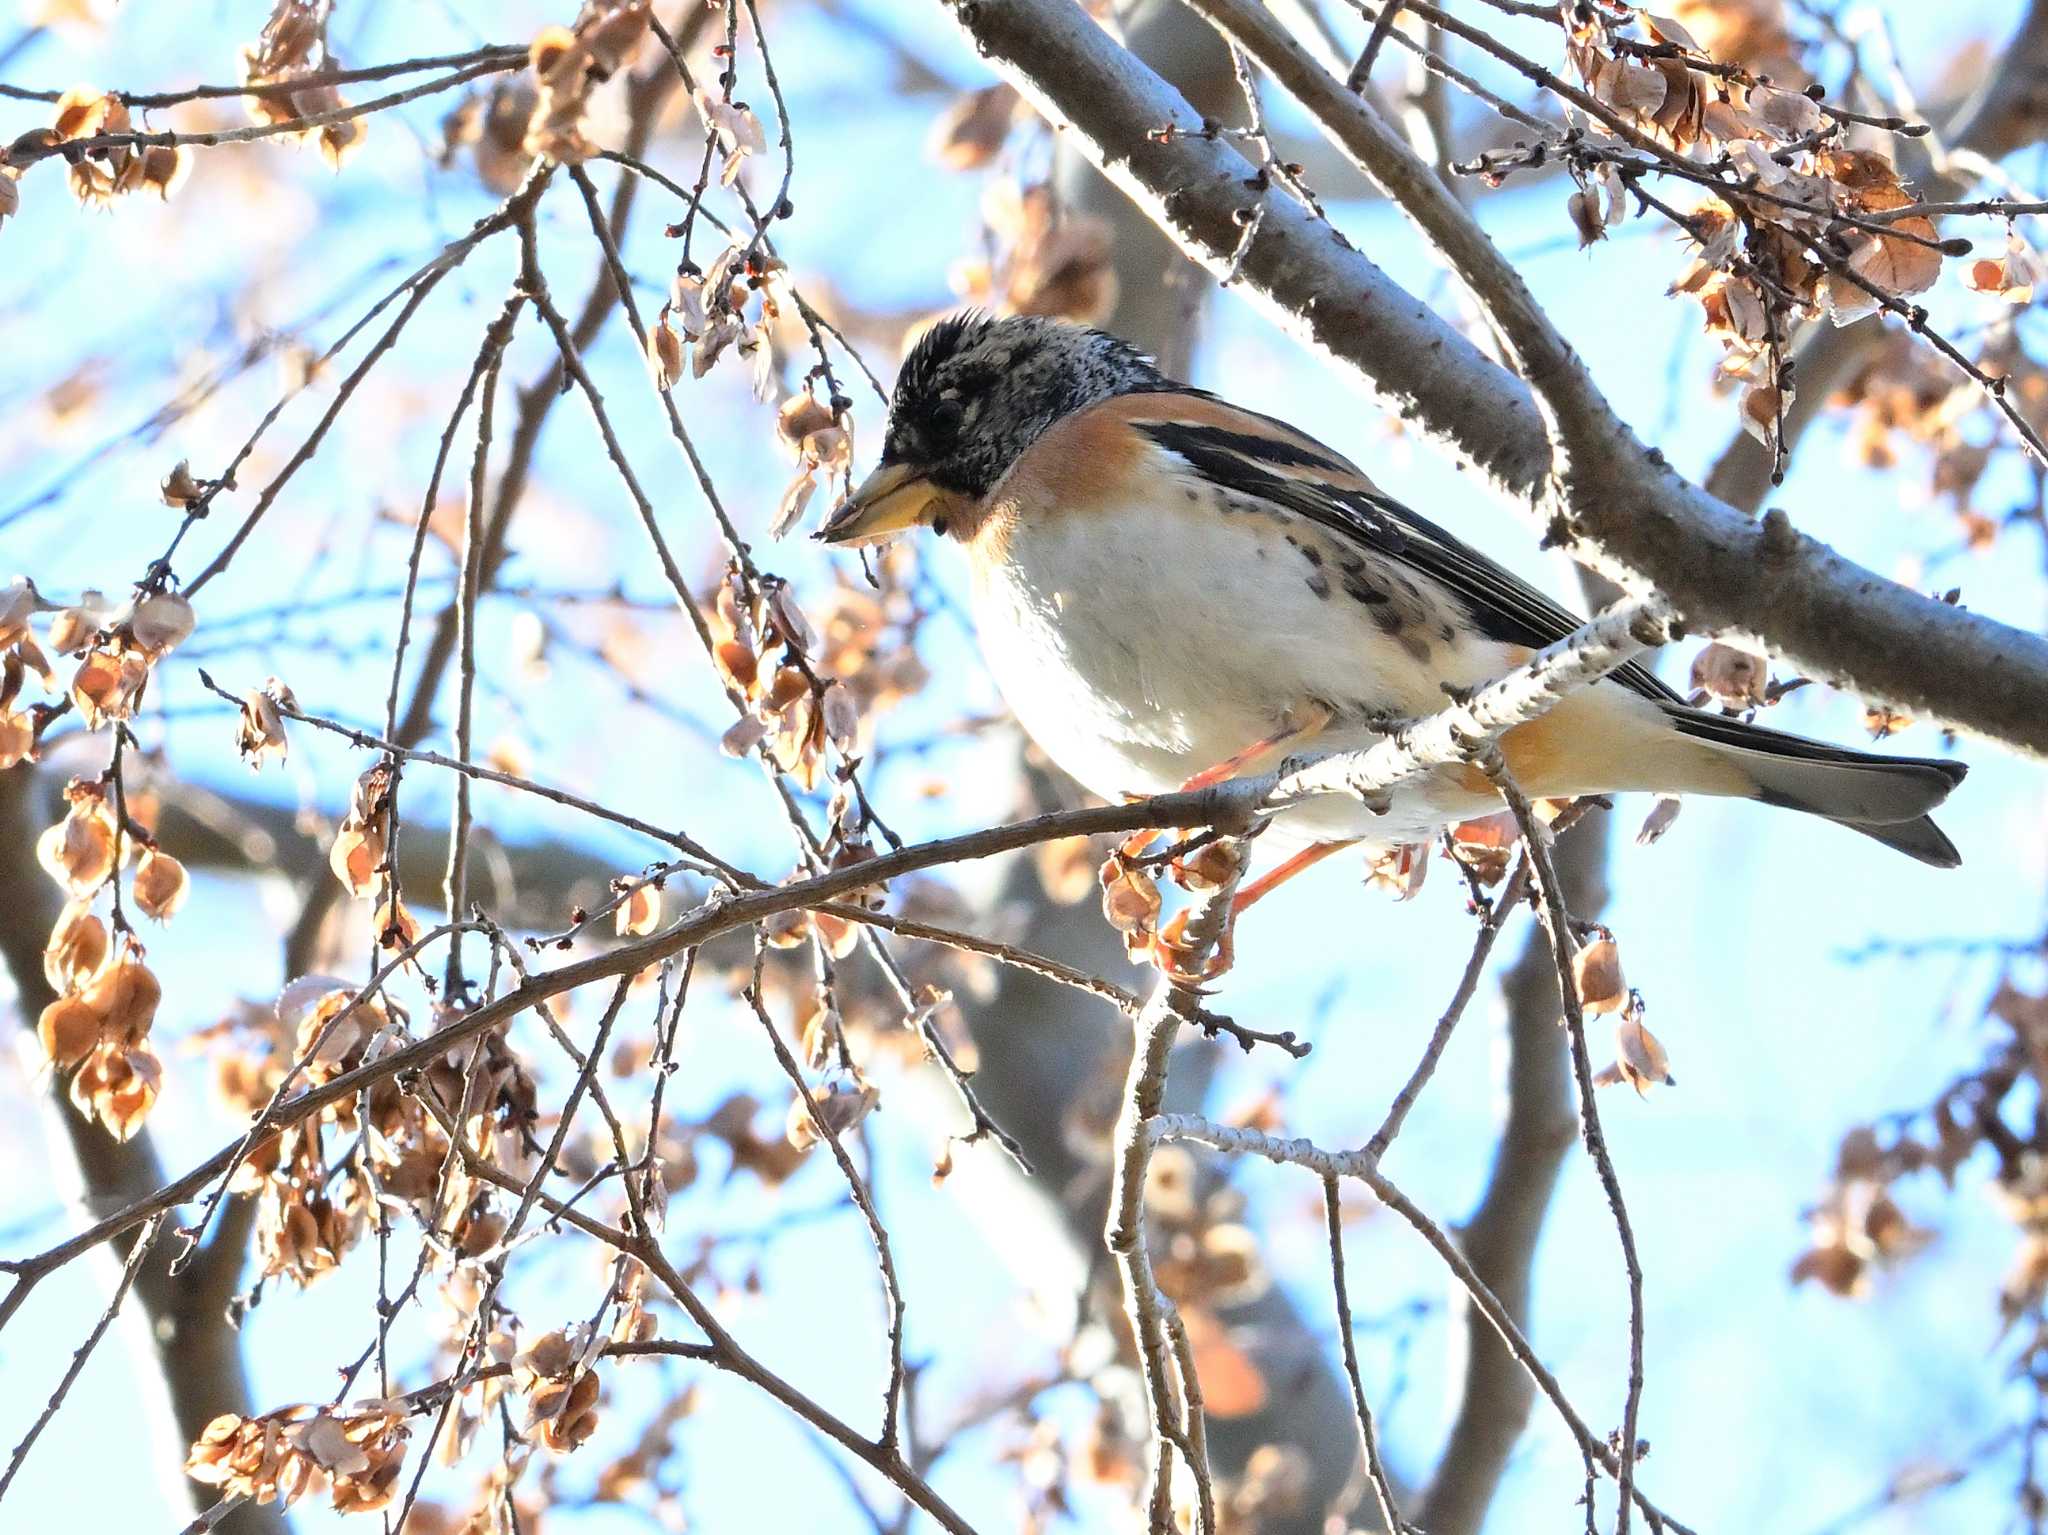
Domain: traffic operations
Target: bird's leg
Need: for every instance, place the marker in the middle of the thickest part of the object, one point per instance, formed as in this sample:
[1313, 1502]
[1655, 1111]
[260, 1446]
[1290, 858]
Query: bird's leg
[1282, 872]
[1295, 725]
[1264, 885]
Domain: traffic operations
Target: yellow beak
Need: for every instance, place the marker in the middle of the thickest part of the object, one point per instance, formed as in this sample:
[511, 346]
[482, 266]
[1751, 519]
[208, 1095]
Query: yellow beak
[894, 497]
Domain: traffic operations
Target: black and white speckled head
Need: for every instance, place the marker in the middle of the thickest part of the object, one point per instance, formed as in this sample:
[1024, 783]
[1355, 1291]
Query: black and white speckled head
[975, 392]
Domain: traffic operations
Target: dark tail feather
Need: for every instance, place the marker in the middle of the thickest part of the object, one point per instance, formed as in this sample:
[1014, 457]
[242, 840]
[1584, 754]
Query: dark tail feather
[1885, 798]
[1920, 839]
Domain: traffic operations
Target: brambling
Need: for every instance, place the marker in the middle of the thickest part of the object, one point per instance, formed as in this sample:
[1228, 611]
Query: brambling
[1173, 590]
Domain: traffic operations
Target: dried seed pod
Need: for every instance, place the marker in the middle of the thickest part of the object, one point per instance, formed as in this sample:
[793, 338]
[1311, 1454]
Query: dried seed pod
[72, 628]
[801, 414]
[17, 738]
[394, 924]
[790, 509]
[1207, 867]
[163, 168]
[1639, 1056]
[83, 112]
[161, 621]
[821, 1035]
[262, 730]
[118, 1085]
[1732, 678]
[1659, 820]
[790, 684]
[1130, 896]
[786, 929]
[76, 950]
[354, 858]
[179, 488]
[612, 36]
[125, 996]
[743, 735]
[108, 683]
[1834, 1266]
[1596, 972]
[740, 665]
[78, 852]
[68, 1029]
[664, 353]
[639, 914]
[839, 936]
[842, 718]
[161, 885]
[841, 1106]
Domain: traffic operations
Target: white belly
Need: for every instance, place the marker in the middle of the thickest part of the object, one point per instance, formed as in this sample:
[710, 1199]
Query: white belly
[1140, 649]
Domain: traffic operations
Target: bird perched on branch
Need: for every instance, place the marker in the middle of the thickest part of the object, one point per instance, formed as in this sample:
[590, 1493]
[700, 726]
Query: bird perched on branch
[1172, 590]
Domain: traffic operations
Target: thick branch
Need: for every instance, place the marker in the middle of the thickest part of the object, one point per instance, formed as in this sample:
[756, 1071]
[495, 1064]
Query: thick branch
[1629, 514]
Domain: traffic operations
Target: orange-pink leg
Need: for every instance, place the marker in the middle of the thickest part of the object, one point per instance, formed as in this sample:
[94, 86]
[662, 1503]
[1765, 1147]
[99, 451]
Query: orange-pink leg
[1281, 873]
[1314, 717]
[1265, 885]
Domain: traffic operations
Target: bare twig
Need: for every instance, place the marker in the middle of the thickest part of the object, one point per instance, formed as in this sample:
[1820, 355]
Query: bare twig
[138, 1255]
[1558, 921]
[504, 56]
[1368, 1439]
[26, 155]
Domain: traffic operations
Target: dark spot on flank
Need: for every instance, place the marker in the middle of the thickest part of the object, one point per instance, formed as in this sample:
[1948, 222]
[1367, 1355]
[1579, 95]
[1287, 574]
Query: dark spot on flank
[1388, 620]
[1449, 634]
[1319, 583]
[1363, 591]
[1352, 566]
[1192, 494]
[1315, 555]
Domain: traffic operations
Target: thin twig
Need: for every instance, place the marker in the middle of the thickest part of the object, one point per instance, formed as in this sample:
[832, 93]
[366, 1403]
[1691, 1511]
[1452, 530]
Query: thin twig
[72, 149]
[138, 1255]
[1361, 71]
[1368, 1439]
[503, 55]
[457, 882]
[1557, 920]
[708, 861]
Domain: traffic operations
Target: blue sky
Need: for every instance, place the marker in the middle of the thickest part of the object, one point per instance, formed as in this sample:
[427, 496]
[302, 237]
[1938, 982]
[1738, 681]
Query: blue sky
[1738, 926]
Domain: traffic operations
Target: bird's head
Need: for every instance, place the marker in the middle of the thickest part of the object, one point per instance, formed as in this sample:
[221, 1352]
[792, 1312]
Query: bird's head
[973, 394]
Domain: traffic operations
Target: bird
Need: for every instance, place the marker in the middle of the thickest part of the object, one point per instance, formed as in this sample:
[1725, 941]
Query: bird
[1171, 590]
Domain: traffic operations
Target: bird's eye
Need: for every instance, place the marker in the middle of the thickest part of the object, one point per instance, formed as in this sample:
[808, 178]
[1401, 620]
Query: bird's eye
[946, 417]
